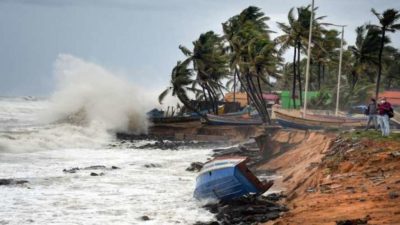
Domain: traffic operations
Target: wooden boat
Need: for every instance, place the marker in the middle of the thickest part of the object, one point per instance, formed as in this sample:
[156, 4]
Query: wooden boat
[228, 178]
[316, 122]
[231, 120]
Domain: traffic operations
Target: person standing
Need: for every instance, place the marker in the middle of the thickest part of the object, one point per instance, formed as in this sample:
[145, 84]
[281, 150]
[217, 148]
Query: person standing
[371, 112]
[384, 109]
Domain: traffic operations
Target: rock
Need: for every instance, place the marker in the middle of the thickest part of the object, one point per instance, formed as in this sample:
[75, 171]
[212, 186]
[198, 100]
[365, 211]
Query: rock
[97, 167]
[275, 197]
[12, 182]
[395, 154]
[195, 166]
[247, 210]
[96, 174]
[393, 195]
[145, 218]
[207, 223]
[72, 170]
[152, 165]
[354, 221]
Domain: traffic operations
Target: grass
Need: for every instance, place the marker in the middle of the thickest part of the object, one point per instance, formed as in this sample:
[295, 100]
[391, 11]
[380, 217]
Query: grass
[370, 135]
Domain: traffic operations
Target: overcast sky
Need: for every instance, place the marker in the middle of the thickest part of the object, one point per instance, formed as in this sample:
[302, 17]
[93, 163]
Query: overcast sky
[137, 38]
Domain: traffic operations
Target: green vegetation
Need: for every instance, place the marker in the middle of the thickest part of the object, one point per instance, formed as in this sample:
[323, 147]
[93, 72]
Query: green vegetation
[245, 58]
[369, 135]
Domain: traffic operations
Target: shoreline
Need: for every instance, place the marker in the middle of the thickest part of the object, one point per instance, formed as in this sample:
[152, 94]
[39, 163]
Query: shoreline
[324, 177]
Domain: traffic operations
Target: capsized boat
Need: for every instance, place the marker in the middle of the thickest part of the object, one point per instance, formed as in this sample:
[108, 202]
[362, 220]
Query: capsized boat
[227, 178]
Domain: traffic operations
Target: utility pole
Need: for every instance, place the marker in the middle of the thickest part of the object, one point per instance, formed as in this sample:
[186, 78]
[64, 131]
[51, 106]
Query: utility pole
[308, 60]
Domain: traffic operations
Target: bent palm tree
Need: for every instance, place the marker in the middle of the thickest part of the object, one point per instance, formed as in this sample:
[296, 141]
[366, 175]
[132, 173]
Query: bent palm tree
[364, 51]
[210, 64]
[388, 23]
[180, 85]
[253, 55]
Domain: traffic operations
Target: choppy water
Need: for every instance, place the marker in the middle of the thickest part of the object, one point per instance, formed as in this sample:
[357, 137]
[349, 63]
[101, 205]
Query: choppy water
[38, 152]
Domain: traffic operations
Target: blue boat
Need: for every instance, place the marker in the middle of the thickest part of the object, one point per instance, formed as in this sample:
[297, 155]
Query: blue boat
[228, 178]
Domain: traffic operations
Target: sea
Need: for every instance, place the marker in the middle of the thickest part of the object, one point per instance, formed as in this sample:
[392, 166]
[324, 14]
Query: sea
[38, 153]
[75, 128]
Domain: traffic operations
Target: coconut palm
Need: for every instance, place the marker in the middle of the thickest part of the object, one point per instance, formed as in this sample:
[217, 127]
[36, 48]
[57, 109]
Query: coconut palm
[210, 65]
[296, 36]
[325, 52]
[364, 52]
[180, 85]
[388, 22]
[253, 54]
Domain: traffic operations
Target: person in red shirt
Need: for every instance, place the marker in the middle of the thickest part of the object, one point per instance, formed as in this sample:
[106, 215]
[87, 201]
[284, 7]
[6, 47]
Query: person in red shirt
[384, 108]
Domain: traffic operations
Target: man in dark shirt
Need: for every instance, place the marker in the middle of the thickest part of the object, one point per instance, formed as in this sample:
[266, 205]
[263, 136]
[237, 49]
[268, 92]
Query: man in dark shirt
[371, 112]
[384, 108]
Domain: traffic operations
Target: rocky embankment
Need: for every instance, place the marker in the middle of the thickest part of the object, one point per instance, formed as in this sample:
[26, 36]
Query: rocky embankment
[196, 131]
[353, 178]
[327, 178]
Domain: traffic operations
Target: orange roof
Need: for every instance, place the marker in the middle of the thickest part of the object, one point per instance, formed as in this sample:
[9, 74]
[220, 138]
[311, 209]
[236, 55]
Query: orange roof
[393, 97]
[240, 97]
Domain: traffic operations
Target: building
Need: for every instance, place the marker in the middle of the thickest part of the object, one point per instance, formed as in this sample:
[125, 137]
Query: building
[391, 96]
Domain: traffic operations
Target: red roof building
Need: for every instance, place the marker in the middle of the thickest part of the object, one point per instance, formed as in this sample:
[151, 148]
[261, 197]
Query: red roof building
[393, 97]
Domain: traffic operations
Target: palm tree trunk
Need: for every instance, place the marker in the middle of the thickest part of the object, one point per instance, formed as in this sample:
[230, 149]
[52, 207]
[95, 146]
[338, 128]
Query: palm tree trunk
[205, 98]
[258, 98]
[188, 105]
[378, 80]
[250, 95]
[299, 72]
[211, 98]
[294, 78]
[234, 86]
[215, 96]
[262, 99]
[222, 93]
[319, 76]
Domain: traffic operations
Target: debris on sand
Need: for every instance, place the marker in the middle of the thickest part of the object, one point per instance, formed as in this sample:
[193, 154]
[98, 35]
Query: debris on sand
[246, 210]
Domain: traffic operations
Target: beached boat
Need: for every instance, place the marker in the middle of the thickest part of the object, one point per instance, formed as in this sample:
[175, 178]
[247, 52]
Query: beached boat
[228, 178]
[313, 122]
[231, 120]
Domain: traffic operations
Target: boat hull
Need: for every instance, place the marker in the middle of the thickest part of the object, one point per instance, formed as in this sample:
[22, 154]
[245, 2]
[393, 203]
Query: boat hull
[228, 182]
[231, 120]
[314, 122]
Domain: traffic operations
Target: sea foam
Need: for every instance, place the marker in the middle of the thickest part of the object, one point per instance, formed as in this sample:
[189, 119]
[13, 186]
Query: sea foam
[87, 92]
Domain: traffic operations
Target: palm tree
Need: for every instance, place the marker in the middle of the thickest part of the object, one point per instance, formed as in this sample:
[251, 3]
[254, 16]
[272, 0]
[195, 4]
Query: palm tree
[364, 51]
[253, 55]
[325, 52]
[296, 35]
[210, 64]
[180, 85]
[393, 69]
[388, 23]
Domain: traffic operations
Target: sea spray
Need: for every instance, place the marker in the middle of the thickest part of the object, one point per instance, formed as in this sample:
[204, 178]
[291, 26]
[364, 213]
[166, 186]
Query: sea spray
[87, 92]
[89, 105]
